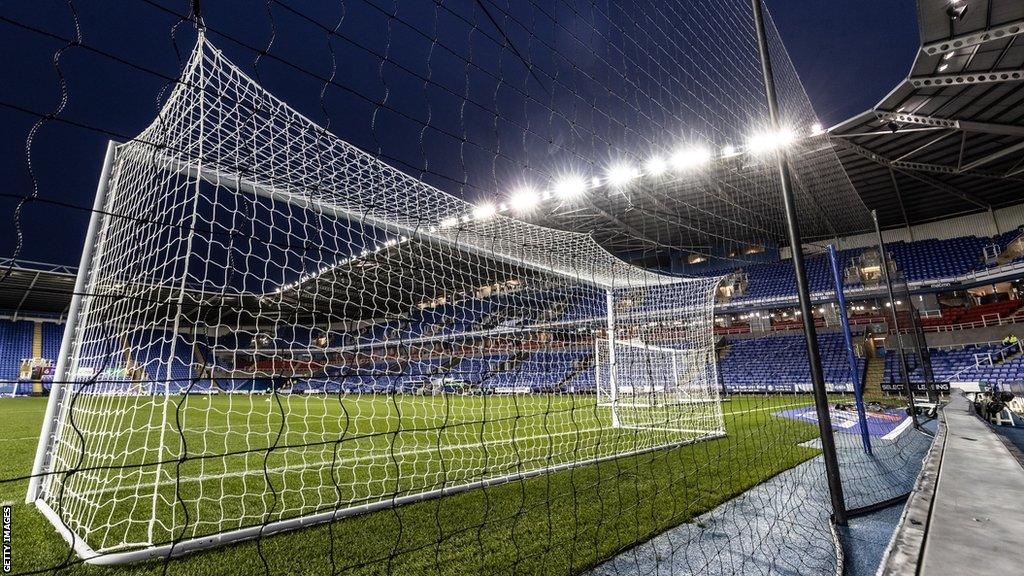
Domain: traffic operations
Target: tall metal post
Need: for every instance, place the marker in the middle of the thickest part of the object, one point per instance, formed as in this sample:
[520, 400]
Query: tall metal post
[613, 380]
[911, 407]
[923, 359]
[60, 379]
[828, 445]
[851, 357]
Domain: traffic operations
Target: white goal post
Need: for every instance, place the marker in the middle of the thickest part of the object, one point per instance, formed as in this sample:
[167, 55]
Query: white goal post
[273, 328]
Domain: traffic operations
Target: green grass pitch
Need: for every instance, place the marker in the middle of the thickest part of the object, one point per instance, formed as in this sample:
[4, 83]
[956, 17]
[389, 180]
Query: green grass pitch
[559, 522]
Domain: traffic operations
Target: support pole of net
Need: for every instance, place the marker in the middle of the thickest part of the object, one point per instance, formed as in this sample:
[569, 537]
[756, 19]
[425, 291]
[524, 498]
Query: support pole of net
[613, 380]
[904, 370]
[921, 349]
[828, 444]
[858, 387]
[61, 380]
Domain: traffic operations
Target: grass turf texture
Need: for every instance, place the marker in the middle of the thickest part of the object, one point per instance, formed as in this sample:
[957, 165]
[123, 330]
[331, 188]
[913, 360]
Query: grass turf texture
[560, 522]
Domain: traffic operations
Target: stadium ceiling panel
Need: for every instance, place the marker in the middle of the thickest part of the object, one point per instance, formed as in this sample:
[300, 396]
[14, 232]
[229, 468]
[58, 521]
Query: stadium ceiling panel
[949, 139]
[34, 288]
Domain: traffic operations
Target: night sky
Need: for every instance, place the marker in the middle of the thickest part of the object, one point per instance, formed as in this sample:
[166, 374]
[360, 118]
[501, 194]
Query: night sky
[849, 54]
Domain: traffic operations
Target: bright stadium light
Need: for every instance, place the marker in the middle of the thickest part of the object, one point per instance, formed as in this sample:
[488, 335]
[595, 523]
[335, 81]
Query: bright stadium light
[728, 150]
[570, 187]
[769, 141]
[621, 174]
[817, 129]
[524, 200]
[449, 222]
[656, 166]
[956, 10]
[484, 211]
[689, 158]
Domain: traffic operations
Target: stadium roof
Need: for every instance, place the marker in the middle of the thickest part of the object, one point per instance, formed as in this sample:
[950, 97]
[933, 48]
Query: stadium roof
[35, 288]
[949, 139]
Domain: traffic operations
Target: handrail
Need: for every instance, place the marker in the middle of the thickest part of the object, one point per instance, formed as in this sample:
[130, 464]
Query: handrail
[1002, 353]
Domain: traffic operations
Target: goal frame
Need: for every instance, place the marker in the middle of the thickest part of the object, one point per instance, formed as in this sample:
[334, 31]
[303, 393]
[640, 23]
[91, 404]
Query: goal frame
[70, 327]
[613, 273]
[51, 424]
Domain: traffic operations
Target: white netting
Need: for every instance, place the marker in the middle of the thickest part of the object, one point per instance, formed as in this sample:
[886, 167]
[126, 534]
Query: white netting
[278, 325]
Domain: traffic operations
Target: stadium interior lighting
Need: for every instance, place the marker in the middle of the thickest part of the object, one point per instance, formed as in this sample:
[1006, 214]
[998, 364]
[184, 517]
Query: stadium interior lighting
[656, 166]
[570, 187]
[943, 67]
[621, 174]
[688, 158]
[957, 9]
[595, 182]
[948, 56]
[771, 140]
[524, 200]
[728, 151]
[449, 222]
[817, 129]
[484, 211]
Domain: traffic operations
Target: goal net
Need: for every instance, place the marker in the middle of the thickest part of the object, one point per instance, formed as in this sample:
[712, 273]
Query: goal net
[276, 328]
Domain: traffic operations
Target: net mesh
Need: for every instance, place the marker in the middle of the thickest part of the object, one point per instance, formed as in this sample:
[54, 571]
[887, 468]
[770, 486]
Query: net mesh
[373, 314]
[281, 326]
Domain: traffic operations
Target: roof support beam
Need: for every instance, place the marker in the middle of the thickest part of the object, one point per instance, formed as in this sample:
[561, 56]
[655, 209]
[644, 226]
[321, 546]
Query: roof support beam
[899, 198]
[935, 140]
[1008, 30]
[951, 123]
[1017, 169]
[28, 290]
[939, 80]
[906, 168]
[995, 156]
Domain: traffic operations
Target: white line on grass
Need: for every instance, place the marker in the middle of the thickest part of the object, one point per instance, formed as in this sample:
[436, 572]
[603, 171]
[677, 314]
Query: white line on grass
[387, 454]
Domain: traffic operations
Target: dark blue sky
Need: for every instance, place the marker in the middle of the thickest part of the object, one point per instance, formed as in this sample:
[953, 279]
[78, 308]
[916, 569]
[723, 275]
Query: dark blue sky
[848, 53]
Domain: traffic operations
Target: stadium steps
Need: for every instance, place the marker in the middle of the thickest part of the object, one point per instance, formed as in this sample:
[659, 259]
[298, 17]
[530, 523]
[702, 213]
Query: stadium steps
[874, 373]
[581, 367]
[455, 360]
[1014, 249]
[37, 352]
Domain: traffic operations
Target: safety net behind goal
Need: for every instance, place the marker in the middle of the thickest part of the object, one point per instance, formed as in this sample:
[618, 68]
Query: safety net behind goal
[278, 329]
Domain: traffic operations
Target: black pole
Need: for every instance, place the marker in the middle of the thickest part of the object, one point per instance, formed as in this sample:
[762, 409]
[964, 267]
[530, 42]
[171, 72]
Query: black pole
[911, 407]
[197, 13]
[828, 444]
[921, 349]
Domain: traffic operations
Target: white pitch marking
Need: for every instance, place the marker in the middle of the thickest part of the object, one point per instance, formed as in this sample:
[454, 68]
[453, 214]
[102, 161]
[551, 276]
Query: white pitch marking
[899, 429]
[387, 454]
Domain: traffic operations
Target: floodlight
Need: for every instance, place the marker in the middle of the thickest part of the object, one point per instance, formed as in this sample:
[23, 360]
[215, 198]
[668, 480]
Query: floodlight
[484, 211]
[688, 158]
[524, 200]
[956, 10]
[570, 187]
[656, 166]
[621, 174]
[771, 140]
[817, 129]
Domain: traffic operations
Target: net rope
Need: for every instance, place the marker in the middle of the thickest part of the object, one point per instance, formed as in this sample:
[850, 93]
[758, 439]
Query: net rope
[362, 344]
